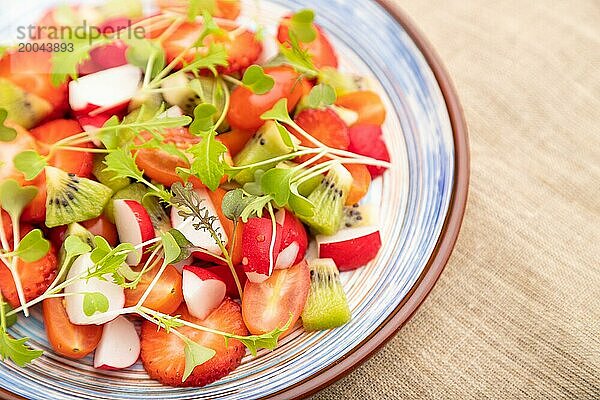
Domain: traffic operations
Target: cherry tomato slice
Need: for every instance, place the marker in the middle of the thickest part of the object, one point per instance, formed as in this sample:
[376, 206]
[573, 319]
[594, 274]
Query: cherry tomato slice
[166, 296]
[67, 339]
[160, 165]
[361, 180]
[246, 107]
[320, 49]
[267, 305]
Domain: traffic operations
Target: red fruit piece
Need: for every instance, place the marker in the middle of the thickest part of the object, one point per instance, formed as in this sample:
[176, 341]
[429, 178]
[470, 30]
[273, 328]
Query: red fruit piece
[325, 126]
[163, 353]
[35, 277]
[321, 50]
[242, 50]
[256, 248]
[31, 71]
[7, 226]
[292, 230]
[246, 107]
[367, 140]
[76, 162]
[223, 272]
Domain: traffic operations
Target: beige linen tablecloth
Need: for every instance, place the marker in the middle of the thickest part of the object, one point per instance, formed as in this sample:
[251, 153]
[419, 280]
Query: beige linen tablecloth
[516, 313]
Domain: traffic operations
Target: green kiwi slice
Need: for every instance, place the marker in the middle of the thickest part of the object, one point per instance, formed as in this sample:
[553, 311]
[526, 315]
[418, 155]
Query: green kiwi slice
[326, 306]
[23, 108]
[329, 198]
[71, 198]
[265, 144]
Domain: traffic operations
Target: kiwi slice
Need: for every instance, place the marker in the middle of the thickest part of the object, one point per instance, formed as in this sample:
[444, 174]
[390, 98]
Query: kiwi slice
[329, 198]
[265, 144]
[326, 306]
[187, 92]
[307, 186]
[105, 177]
[359, 215]
[23, 108]
[71, 198]
[137, 191]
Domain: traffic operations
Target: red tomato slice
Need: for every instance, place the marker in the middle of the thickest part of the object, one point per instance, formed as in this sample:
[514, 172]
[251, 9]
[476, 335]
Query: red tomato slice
[242, 50]
[246, 107]
[166, 296]
[268, 305]
[321, 50]
[67, 339]
[160, 165]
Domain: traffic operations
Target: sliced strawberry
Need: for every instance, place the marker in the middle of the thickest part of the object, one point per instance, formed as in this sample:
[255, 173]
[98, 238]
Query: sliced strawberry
[242, 50]
[367, 140]
[31, 71]
[35, 277]
[77, 162]
[324, 125]
[321, 50]
[163, 353]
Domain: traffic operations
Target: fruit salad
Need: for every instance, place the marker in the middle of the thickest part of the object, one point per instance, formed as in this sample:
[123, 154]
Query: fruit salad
[204, 181]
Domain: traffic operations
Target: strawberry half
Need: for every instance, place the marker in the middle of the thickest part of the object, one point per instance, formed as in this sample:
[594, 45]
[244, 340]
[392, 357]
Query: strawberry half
[35, 277]
[325, 126]
[367, 140]
[163, 353]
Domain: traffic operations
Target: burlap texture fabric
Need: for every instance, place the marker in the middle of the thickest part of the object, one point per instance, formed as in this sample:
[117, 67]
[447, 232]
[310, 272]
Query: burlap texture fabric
[516, 313]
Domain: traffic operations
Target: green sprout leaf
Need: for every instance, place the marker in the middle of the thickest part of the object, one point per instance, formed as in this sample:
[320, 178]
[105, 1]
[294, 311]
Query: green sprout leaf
[265, 341]
[257, 81]
[299, 58]
[301, 24]
[6, 308]
[276, 182]
[30, 163]
[209, 28]
[183, 244]
[203, 121]
[109, 261]
[171, 247]
[33, 246]
[16, 349]
[6, 134]
[122, 163]
[209, 163]
[74, 246]
[216, 56]
[195, 355]
[255, 207]
[14, 198]
[234, 203]
[94, 302]
[300, 204]
[286, 136]
[322, 95]
[140, 52]
[279, 112]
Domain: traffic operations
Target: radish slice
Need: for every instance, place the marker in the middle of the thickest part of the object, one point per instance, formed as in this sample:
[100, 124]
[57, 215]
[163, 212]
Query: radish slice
[350, 248]
[287, 256]
[75, 293]
[203, 291]
[134, 226]
[119, 346]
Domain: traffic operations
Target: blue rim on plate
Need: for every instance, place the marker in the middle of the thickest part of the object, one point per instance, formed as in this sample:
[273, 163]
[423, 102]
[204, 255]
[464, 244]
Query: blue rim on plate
[421, 199]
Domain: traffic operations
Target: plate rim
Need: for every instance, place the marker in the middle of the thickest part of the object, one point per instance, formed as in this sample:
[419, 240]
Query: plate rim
[444, 245]
[441, 253]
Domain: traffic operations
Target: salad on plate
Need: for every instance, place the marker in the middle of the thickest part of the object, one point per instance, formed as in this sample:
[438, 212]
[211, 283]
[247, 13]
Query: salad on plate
[180, 185]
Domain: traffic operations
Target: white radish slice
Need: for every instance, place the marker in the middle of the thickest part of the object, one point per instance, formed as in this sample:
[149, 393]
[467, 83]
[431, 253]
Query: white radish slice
[200, 237]
[287, 256]
[134, 226]
[203, 291]
[105, 88]
[74, 293]
[119, 346]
